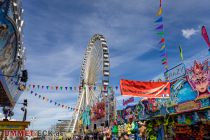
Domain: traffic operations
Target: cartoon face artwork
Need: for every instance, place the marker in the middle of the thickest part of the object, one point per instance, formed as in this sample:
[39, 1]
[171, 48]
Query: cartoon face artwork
[198, 77]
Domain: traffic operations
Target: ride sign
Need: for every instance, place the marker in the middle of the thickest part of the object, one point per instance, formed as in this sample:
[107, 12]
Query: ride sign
[176, 72]
[187, 106]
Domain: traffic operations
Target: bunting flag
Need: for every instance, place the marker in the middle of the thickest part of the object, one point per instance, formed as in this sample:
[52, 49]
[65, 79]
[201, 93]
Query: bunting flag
[163, 47]
[43, 98]
[160, 11]
[160, 32]
[73, 88]
[180, 52]
[159, 20]
[162, 41]
[160, 27]
[205, 35]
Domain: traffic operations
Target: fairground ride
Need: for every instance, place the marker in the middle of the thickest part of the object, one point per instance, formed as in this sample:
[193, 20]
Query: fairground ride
[95, 72]
[13, 76]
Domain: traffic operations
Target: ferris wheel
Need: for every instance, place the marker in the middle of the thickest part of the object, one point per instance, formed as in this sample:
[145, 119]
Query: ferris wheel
[94, 77]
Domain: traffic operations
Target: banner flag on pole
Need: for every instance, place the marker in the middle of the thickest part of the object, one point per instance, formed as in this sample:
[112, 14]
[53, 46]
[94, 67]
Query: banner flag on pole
[181, 54]
[205, 35]
[159, 20]
[159, 27]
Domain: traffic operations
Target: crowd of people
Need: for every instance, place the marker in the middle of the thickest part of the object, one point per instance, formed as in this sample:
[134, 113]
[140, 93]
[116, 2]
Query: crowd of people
[127, 131]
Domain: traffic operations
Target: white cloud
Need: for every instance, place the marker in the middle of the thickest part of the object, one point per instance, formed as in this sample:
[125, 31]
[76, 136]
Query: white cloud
[187, 33]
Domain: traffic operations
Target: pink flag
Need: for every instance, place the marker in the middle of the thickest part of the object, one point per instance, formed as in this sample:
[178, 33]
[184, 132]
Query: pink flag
[205, 35]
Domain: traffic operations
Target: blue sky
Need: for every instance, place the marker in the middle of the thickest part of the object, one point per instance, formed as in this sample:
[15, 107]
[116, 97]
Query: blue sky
[56, 34]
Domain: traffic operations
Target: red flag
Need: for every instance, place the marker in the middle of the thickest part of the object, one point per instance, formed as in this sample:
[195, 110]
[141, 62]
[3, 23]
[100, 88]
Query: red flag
[205, 35]
[162, 40]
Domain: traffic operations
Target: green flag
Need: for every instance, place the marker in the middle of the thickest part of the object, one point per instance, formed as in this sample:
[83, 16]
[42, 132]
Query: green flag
[181, 54]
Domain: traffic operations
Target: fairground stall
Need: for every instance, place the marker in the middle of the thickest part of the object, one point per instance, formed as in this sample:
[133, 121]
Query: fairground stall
[185, 114]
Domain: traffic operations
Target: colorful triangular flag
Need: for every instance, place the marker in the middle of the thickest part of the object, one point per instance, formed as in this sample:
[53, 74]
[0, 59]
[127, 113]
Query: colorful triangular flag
[164, 59]
[163, 47]
[163, 54]
[160, 11]
[160, 33]
[162, 41]
[160, 19]
[160, 27]
[165, 62]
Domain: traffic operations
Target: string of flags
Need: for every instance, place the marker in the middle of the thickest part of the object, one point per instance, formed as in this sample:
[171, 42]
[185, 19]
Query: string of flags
[46, 99]
[68, 88]
[160, 31]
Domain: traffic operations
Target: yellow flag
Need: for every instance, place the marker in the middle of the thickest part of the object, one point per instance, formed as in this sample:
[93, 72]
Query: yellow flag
[162, 47]
[159, 13]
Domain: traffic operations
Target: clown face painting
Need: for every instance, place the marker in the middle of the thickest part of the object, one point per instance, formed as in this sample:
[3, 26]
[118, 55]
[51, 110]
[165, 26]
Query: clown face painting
[199, 78]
